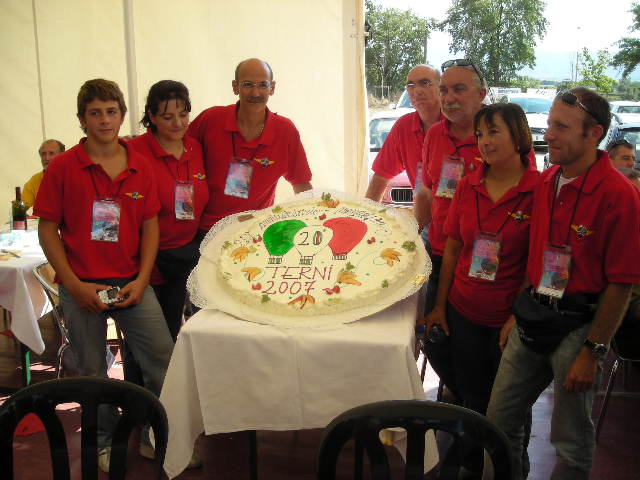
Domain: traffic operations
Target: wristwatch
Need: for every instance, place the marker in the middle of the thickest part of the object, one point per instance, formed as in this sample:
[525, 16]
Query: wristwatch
[598, 350]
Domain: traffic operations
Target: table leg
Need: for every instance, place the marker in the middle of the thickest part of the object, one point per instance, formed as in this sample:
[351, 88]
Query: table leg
[253, 455]
[25, 360]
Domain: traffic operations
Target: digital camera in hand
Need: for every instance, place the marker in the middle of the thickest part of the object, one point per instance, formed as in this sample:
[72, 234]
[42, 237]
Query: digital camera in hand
[436, 334]
[109, 296]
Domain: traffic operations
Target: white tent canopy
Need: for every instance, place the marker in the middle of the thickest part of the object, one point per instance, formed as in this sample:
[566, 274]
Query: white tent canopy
[48, 48]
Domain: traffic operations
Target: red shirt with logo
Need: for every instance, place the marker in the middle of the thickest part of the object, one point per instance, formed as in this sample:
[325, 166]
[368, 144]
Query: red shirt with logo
[604, 235]
[439, 144]
[67, 195]
[402, 149]
[277, 153]
[482, 301]
[168, 172]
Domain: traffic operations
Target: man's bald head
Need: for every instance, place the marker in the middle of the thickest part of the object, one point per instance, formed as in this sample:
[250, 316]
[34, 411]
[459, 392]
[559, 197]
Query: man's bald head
[253, 62]
[423, 70]
[48, 150]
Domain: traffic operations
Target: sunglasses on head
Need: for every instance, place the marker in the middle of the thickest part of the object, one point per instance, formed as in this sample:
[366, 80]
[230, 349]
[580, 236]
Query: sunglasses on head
[461, 62]
[572, 100]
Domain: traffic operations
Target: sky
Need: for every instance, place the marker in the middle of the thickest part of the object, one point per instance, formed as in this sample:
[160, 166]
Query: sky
[573, 25]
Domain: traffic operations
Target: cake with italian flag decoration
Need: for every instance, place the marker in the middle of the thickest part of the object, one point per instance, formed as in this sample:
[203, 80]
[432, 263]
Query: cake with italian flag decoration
[319, 255]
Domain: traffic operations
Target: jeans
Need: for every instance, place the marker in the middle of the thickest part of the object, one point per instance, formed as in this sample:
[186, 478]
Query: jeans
[146, 331]
[522, 376]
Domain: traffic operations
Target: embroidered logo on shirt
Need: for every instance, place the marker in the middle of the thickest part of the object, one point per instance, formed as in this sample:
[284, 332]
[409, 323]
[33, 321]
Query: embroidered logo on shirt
[581, 231]
[519, 216]
[200, 176]
[265, 162]
[135, 195]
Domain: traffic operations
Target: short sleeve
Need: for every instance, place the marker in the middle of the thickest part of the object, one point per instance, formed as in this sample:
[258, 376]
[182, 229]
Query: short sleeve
[298, 170]
[49, 201]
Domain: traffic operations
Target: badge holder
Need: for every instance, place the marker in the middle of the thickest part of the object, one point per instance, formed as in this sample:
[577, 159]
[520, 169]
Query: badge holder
[105, 224]
[183, 201]
[485, 257]
[555, 273]
[450, 176]
[238, 178]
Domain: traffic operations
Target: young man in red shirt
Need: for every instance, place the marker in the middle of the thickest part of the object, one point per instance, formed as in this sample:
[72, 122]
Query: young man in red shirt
[585, 228]
[98, 228]
[247, 148]
[402, 149]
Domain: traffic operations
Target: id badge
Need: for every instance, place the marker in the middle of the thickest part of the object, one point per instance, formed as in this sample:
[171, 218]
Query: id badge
[450, 176]
[183, 202]
[555, 273]
[105, 224]
[238, 178]
[485, 257]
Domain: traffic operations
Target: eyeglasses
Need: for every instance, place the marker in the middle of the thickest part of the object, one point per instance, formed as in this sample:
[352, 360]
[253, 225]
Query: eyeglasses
[424, 83]
[462, 62]
[572, 100]
[260, 85]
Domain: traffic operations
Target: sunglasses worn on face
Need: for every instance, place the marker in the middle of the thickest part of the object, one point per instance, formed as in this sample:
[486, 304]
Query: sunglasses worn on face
[461, 62]
[570, 99]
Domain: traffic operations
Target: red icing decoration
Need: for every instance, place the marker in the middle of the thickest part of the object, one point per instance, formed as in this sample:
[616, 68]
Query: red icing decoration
[347, 233]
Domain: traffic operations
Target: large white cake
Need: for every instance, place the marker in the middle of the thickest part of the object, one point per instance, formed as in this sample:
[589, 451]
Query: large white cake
[316, 256]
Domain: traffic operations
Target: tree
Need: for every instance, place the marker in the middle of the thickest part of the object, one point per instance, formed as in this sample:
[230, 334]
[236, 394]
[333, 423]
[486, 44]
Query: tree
[628, 57]
[592, 69]
[525, 82]
[498, 35]
[396, 44]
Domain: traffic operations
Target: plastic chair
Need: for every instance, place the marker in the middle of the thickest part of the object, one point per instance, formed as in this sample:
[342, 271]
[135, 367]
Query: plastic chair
[620, 359]
[416, 417]
[138, 406]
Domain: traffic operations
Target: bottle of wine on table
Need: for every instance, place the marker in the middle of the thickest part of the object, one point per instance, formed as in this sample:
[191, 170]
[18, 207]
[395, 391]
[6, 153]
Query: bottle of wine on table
[19, 212]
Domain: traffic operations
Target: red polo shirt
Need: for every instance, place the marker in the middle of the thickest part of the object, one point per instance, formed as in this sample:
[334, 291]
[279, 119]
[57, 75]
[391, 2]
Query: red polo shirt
[402, 149]
[438, 144]
[169, 171]
[607, 215]
[481, 301]
[279, 147]
[66, 197]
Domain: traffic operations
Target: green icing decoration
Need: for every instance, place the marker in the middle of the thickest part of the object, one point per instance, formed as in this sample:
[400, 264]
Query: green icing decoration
[226, 244]
[349, 266]
[265, 298]
[277, 209]
[409, 246]
[385, 283]
[278, 238]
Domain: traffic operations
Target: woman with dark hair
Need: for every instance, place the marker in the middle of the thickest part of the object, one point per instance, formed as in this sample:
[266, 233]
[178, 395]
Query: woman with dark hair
[485, 256]
[182, 191]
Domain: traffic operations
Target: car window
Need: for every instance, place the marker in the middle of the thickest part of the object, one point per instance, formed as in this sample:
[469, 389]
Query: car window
[533, 105]
[405, 101]
[378, 131]
[629, 109]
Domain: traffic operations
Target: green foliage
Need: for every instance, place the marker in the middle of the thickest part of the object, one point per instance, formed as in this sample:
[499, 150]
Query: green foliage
[498, 35]
[396, 44]
[525, 82]
[592, 69]
[628, 57]
[628, 90]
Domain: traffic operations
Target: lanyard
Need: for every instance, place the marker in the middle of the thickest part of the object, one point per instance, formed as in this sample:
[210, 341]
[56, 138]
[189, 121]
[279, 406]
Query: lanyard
[458, 147]
[95, 186]
[233, 147]
[521, 197]
[176, 177]
[575, 205]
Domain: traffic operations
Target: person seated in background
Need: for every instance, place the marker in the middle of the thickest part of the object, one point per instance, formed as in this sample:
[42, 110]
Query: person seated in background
[49, 149]
[622, 154]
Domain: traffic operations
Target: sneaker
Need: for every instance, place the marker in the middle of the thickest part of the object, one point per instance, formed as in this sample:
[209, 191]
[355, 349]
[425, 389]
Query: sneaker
[104, 458]
[147, 451]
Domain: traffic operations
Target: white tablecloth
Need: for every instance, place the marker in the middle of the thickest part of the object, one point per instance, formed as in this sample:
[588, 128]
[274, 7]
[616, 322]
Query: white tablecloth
[228, 375]
[20, 292]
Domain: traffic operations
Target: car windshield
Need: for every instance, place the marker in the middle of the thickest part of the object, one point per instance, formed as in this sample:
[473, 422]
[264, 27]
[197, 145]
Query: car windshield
[630, 135]
[378, 131]
[533, 105]
[629, 109]
[404, 101]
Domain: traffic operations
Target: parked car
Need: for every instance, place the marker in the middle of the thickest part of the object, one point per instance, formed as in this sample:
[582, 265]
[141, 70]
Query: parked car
[625, 111]
[536, 108]
[398, 192]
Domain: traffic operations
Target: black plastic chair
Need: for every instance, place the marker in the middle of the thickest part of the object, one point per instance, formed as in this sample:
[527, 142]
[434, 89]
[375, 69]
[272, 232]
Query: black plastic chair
[138, 406]
[416, 417]
[621, 359]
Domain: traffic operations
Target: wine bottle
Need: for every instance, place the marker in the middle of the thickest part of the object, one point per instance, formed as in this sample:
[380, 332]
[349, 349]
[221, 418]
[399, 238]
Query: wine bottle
[19, 212]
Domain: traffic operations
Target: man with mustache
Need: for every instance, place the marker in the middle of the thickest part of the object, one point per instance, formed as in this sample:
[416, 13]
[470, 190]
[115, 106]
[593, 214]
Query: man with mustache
[247, 148]
[449, 152]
